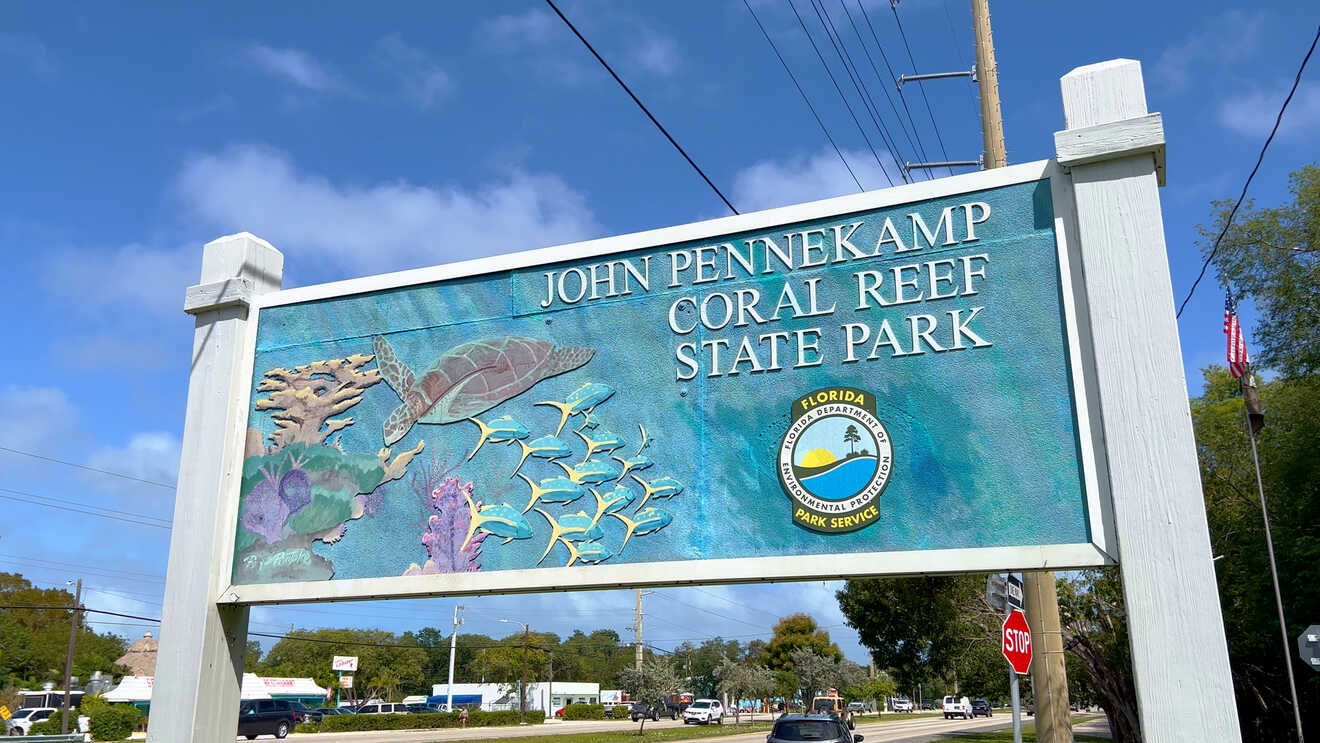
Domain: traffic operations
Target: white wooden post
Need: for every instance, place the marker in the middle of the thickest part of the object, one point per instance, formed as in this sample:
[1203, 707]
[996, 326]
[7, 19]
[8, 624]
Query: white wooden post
[199, 666]
[1179, 655]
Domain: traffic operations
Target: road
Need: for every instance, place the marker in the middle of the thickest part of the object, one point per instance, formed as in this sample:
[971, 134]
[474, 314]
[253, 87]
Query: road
[916, 730]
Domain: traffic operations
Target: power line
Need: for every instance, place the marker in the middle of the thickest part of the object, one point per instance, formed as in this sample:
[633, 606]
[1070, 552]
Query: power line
[708, 611]
[109, 513]
[921, 146]
[639, 103]
[884, 88]
[850, 67]
[962, 61]
[805, 100]
[920, 84]
[838, 90]
[1259, 159]
[171, 486]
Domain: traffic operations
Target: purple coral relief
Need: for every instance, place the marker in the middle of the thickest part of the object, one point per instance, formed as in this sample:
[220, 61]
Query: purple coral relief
[447, 528]
[295, 489]
[265, 512]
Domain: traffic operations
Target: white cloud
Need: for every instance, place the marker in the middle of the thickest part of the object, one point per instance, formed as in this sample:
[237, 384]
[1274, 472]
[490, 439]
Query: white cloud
[800, 178]
[150, 455]
[511, 32]
[132, 277]
[1221, 41]
[655, 54]
[34, 418]
[423, 81]
[387, 226]
[1252, 113]
[295, 66]
[30, 52]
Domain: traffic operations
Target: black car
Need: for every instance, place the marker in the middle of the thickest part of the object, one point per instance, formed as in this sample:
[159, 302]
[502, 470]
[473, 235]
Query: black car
[652, 711]
[814, 728]
[980, 707]
[275, 717]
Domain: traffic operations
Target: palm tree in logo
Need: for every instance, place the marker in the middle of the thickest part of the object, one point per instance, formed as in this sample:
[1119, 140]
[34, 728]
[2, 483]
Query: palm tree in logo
[851, 437]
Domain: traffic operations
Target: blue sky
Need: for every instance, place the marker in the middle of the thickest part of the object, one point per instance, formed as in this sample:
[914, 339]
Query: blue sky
[362, 139]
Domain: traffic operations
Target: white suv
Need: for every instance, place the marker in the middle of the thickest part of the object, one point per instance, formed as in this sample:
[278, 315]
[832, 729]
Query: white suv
[955, 707]
[704, 712]
[24, 719]
[902, 705]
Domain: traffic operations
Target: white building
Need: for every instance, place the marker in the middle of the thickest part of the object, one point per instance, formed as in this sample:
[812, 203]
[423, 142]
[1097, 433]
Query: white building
[491, 697]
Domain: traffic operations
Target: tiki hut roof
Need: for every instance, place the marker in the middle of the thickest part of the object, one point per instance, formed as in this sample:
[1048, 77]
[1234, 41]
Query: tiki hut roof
[140, 659]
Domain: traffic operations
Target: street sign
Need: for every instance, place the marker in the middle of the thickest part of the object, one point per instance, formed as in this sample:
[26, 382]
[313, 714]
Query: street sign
[1017, 641]
[5, 714]
[344, 663]
[346, 682]
[999, 591]
[1308, 646]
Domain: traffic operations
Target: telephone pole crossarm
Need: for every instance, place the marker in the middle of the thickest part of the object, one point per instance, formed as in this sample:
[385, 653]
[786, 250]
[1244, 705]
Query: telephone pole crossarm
[936, 76]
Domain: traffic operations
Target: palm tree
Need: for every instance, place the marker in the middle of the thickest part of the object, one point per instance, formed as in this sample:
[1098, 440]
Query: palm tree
[852, 437]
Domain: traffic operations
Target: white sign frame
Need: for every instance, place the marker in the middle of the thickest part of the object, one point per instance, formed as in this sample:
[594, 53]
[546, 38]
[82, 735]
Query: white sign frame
[344, 663]
[1101, 550]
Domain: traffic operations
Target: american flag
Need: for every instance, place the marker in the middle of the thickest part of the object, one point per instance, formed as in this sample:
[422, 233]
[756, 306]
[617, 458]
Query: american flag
[1238, 362]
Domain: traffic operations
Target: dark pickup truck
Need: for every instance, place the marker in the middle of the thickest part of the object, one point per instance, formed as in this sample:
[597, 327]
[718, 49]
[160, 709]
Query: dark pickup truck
[275, 717]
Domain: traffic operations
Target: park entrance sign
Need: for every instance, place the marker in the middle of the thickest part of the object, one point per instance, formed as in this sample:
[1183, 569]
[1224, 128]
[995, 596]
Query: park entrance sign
[883, 383]
[973, 374]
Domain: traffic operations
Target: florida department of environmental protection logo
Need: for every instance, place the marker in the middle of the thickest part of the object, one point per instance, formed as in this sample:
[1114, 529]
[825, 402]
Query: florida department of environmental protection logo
[835, 459]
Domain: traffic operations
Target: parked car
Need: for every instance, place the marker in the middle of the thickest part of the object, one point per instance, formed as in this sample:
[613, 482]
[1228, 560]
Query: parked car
[857, 707]
[638, 710]
[424, 708]
[266, 717]
[704, 712]
[902, 704]
[320, 713]
[930, 704]
[980, 707]
[383, 708]
[957, 707]
[814, 728]
[25, 718]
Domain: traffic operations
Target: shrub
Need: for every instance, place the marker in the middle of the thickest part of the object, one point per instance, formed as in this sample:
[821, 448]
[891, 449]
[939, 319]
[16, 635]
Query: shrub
[114, 722]
[307, 727]
[584, 712]
[476, 718]
[51, 725]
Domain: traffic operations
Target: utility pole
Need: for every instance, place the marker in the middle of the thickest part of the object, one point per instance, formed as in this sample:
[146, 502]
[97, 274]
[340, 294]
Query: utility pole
[637, 631]
[453, 648]
[522, 690]
[1049, 676]
[68, 657]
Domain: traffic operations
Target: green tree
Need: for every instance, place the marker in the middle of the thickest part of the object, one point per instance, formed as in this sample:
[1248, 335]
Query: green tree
[698, 664]
[1272, 255]
[296, 656]
[874, 689]
[817, 673]
[1290, 470]
[797, 632]
[743, 679]
[33, 642]
[655, 680]
[1093, 620]
[851, 436]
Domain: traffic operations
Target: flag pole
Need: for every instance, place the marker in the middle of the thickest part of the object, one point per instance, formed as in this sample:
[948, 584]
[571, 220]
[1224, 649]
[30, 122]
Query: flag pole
[1248, 385]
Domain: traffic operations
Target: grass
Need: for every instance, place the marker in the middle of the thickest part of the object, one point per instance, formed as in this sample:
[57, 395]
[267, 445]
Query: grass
[650, 734]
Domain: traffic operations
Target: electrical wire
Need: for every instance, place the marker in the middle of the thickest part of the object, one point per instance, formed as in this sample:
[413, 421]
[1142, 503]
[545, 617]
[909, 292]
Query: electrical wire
[1259, 159]
[109, 513]
[839, 90]
[916, 132]
[954, 35]
[640, 105]
[921, 85]
[884, 88]
[803, 93]
[133, 574]
[850, 67]
[112, 473]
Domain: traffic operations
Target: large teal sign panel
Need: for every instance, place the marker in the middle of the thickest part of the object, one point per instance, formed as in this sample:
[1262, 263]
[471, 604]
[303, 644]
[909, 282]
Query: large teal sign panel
[884, 381]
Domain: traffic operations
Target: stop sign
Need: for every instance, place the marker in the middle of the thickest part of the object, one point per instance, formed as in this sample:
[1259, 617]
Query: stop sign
[1017, 641]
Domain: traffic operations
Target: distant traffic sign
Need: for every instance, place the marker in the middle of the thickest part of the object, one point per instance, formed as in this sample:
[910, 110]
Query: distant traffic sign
[999, 590]
[5, 714]
[1017, 641]
[1308, 646]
